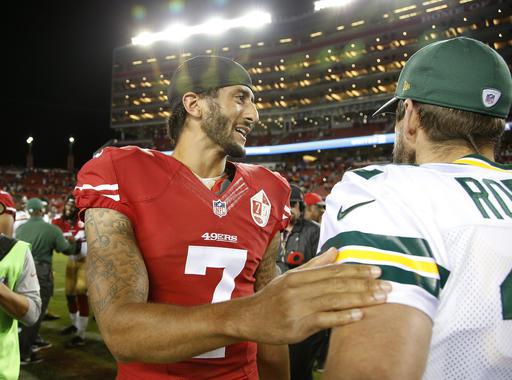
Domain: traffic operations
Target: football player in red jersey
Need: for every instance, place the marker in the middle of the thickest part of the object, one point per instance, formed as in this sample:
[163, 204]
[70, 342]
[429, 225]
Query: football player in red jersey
[75, 284]
[182, 248]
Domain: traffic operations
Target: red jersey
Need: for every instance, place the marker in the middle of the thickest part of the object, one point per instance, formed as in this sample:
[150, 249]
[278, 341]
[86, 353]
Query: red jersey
[67, 228]
[8, 203]
[198, 247]
[77, 230]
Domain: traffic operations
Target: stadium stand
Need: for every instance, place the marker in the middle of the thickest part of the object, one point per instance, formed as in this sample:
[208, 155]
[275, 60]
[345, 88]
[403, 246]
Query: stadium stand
[51, 184]
[316, 76]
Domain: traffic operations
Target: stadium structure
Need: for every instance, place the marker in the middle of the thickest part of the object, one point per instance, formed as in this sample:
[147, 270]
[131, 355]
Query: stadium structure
[317, 76]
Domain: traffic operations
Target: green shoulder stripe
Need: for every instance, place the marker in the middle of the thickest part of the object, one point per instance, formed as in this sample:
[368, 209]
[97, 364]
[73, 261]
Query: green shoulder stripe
[417, 272]
[443, 274]
[367, 174]
[406, 245]
[391, 273]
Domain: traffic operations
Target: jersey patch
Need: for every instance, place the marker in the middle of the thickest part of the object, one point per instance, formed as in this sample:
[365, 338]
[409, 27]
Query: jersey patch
[260, 208]
[219, 208]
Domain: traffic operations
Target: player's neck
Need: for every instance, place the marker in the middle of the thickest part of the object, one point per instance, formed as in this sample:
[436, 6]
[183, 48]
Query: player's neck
[450, 154]
[206, 162]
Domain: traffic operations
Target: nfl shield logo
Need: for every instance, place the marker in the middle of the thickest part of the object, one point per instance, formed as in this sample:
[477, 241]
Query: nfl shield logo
[219, 208]
[490, 97]
[260, 208]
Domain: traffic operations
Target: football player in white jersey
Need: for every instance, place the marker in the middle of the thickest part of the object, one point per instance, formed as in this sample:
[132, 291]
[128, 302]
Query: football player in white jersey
[439, 228]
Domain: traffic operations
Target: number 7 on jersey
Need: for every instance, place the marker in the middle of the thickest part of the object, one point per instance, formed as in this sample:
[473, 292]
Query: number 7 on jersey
[199, 258]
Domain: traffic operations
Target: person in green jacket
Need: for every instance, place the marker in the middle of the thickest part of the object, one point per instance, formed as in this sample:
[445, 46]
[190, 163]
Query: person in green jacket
[19, 290]
[44, 238]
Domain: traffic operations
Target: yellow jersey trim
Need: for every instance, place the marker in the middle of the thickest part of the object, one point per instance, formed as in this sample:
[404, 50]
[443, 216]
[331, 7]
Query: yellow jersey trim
[424, 267]
[481, 164]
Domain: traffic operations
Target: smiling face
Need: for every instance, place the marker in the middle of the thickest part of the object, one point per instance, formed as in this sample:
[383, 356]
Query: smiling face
[230, 118]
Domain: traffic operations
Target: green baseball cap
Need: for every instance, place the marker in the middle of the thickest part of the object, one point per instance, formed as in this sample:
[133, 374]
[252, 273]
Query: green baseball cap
[460, 73]
[34, 204]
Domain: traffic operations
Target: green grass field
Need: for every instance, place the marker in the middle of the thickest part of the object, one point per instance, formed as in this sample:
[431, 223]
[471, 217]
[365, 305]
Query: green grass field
[91, 362]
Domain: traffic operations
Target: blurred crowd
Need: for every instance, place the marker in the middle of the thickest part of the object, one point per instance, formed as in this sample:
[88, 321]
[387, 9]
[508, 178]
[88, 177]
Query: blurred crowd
[50, 185]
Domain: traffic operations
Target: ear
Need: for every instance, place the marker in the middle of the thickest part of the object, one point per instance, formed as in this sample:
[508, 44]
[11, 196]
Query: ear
[191, 104]
[410, 122]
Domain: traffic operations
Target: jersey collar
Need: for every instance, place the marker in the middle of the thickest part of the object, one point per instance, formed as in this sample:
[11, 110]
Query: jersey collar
[483, 162]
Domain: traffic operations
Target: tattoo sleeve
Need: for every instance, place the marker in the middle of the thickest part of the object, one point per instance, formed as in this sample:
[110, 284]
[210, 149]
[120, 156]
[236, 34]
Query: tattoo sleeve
[116, 273]
[267, 268]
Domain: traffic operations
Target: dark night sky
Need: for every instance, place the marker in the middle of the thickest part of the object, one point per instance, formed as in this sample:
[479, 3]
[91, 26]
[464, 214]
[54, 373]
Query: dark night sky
[57, 68]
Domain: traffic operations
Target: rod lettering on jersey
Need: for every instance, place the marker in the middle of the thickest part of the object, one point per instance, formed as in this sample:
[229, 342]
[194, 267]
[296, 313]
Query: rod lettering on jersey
[491, 197]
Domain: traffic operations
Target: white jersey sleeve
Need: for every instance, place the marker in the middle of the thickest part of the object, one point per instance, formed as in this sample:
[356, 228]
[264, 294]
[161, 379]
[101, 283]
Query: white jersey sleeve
[369, 223]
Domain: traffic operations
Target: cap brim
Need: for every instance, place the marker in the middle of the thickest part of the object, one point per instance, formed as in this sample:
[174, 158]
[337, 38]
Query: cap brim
[388, 107]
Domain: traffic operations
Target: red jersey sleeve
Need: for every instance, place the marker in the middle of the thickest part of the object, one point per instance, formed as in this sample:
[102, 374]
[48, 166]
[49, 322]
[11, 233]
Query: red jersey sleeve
[284, 212]
[98, 185]
[8, 203]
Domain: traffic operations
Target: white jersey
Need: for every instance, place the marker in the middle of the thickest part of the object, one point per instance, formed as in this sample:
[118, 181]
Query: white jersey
[442, 234]
[22, 217]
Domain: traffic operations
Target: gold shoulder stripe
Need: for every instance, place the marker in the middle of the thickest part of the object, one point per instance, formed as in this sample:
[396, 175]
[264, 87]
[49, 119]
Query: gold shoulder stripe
[422, 265]
[480, 163]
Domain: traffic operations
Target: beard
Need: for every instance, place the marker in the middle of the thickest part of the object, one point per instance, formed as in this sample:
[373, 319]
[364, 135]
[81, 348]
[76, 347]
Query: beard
[401, 153]
[217, 127]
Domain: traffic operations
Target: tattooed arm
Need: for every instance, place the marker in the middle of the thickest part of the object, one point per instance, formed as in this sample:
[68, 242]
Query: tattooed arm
[133, 329]
[273, 360]
[300, 302]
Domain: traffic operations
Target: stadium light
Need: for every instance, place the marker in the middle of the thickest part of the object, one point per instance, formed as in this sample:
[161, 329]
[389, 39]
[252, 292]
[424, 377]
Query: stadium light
[216, 25]
[322, 4]
[71, 158]
[144, 38]
[254, 20]
[174, 33]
